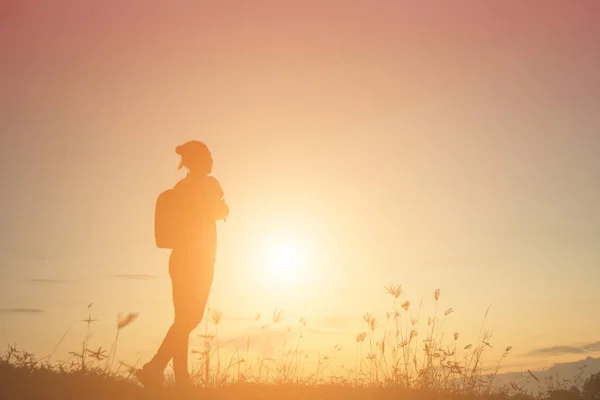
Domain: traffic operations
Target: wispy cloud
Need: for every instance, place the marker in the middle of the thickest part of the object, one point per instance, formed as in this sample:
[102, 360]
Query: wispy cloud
[21, 310]
[141, 277]
[48, 281]
[568, 349]
[592, 346]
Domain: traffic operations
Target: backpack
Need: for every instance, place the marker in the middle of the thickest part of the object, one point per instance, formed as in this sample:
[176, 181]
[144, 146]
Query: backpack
[167, 219]
[169, 214]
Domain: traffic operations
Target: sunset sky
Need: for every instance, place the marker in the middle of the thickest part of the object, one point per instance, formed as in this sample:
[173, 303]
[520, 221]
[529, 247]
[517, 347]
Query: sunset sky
[451, 145]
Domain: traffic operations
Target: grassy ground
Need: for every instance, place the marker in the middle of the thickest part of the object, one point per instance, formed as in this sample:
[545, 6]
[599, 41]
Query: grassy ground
[396, 357]
[22, 382]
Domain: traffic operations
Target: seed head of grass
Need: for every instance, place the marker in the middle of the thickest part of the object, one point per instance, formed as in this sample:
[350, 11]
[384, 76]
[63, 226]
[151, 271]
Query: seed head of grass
[89, 320]
[436, 294]
[468, 347]
[302, 321]
[98, 355]
[456, 335]
[257, 317]
[509, 348]
[394, 290]
[124, 321]
[361, 337]
[373, 324]
[406, 305]
[448, 311]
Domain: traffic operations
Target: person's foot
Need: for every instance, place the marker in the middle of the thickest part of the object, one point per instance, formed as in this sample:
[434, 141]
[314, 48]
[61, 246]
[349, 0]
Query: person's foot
[150, 376]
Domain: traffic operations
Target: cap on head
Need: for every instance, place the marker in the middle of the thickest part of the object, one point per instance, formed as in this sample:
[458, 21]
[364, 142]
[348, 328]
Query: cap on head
[196, 151]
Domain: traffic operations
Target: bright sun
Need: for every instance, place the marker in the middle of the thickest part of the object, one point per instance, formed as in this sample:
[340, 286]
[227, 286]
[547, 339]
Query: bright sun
[284, 263]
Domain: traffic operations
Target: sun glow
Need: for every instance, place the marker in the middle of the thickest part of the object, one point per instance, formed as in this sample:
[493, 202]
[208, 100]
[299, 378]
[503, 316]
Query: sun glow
[286, 258]
[284, 263]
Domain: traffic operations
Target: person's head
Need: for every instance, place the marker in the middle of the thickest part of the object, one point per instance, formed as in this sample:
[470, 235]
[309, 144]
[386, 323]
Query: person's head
[195, 156]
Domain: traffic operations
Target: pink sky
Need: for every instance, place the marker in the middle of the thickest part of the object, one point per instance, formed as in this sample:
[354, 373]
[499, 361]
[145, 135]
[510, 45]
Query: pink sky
[450, 144]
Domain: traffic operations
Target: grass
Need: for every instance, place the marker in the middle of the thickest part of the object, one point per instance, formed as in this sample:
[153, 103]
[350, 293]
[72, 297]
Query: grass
[397, 356]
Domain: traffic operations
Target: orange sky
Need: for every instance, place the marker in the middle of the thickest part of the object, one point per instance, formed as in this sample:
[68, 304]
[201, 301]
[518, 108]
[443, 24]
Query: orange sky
[429, 145]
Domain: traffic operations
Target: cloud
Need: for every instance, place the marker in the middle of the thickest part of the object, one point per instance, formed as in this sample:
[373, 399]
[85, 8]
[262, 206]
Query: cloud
[140, 277]
[557, 350]
[21, 310]
[569, 349]
[592, 346]
[48, 281]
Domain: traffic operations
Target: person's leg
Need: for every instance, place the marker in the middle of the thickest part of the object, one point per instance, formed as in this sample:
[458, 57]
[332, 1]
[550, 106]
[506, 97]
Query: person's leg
[152, 374]
[167, 348]
[191, 311]
[180, 355]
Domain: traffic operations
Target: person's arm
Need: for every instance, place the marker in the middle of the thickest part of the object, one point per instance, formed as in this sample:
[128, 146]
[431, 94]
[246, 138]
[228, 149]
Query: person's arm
[222, 210]
[212, 201]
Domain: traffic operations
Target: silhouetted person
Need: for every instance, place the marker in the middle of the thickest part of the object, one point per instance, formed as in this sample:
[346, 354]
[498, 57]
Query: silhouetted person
[186, 222]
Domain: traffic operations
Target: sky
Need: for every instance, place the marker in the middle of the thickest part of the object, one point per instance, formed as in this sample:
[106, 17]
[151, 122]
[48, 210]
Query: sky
[450, 145]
